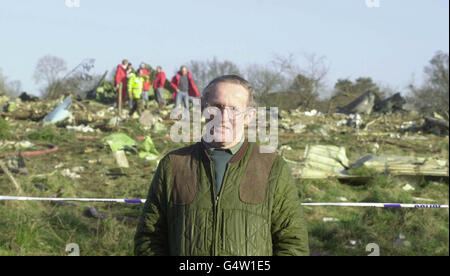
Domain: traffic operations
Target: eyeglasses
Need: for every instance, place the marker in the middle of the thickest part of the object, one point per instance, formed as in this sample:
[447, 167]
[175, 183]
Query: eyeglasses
[232, 111]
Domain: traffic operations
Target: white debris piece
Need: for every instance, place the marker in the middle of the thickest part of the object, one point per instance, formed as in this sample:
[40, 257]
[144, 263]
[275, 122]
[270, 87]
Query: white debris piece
[81, 128]
[408, 124]
[68, 173]
[408, 187]
[354, 120]
[312, 113]
[329, 219]
[375, 147]
[354, 242]
[25, 144]
[298, 128]
[78, 169]
[342, 122]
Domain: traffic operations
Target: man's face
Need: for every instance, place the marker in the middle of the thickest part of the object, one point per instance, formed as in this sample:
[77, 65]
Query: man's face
[233, 100]
[184, 71]
[159, 70]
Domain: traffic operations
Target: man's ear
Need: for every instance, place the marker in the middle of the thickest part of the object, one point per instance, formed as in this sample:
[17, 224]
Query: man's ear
[250, 115]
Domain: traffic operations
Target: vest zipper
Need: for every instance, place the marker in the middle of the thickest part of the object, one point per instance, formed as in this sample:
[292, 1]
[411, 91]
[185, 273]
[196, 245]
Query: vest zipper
[216, 210]
[215, 203]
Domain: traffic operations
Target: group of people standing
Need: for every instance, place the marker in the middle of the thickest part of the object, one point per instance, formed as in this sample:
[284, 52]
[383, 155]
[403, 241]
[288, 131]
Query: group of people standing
[135, 86]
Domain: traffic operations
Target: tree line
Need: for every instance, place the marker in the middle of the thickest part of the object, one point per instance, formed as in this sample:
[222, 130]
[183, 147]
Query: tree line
[282, 82]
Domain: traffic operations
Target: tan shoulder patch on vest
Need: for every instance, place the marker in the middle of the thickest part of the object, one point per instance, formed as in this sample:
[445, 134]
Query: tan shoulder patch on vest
[184, 164]
[253, 187]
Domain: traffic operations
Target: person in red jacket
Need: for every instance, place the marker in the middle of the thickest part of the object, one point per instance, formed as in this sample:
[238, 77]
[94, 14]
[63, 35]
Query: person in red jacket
[146, 86]
[121, 77]
[158, 86]
[184, 88]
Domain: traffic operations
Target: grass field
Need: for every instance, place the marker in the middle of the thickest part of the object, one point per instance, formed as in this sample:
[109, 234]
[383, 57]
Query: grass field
[43, 228]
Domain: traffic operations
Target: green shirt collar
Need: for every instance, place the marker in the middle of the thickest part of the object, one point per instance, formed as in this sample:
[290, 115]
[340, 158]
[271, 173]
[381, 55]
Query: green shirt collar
[233, 149]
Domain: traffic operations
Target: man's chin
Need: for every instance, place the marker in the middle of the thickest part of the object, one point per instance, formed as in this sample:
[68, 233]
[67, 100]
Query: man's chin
[223, 141]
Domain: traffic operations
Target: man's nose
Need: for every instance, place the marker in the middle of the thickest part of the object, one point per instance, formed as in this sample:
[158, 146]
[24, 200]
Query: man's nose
[226, 116]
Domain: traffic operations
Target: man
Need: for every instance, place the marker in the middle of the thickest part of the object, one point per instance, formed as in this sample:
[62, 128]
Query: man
[121, 78]
[223, 197]
[135, 88]
[146, 86]
[158, 86]
[184, 87]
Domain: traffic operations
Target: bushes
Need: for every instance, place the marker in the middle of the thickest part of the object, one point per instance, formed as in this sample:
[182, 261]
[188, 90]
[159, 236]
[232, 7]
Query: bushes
[49, 134]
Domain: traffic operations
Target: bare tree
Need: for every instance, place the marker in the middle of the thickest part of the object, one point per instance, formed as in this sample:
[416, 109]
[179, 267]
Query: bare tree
[433, 94]
[308, 80]
[315, 68]
[48, 71]
[205, 71]
[265, 79]
[9, 88]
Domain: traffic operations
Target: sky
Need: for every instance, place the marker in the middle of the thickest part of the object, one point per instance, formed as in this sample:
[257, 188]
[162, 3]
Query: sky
[388, 40]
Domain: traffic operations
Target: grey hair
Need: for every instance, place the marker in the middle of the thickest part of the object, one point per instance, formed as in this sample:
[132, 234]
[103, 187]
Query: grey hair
[230, 79]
